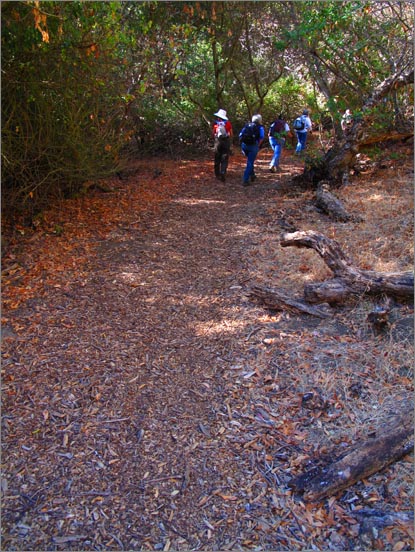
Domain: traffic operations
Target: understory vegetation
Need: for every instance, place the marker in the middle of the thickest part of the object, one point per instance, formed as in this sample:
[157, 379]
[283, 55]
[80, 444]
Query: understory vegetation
[88, 85]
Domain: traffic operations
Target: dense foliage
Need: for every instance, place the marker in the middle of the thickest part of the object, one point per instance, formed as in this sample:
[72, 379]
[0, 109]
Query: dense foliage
[87, 83]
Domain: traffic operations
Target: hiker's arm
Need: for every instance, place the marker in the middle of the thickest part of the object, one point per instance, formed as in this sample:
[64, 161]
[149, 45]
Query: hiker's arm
[261, 135]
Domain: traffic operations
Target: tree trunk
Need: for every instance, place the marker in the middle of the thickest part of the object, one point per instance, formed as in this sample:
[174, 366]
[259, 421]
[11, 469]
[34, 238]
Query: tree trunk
[348, 279]
[341, 157]
[388, 445]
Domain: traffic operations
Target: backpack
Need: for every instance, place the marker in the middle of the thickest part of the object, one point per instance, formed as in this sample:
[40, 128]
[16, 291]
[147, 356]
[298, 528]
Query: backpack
[249, 134]
[221, 131]
[277, 128]
[299, 124]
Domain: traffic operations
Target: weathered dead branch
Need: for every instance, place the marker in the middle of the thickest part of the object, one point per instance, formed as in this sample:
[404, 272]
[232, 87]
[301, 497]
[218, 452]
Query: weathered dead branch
[386, 446]
[335, 291]
[278, 301]
[348, 278]
[330, 204]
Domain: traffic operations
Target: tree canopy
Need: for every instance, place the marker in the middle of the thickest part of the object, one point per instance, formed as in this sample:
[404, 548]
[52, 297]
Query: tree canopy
[85, 84]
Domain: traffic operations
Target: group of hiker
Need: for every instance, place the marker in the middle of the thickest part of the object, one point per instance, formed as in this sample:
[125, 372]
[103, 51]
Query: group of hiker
[251, 138]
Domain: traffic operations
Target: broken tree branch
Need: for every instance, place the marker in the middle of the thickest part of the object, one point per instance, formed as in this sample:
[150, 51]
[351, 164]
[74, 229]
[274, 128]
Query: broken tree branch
[331, 205]
[388, 445]
[348, 278]
[276, 300]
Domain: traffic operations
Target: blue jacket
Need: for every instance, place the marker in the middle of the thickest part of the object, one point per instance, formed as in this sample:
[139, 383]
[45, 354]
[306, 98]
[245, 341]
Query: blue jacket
[261, 134]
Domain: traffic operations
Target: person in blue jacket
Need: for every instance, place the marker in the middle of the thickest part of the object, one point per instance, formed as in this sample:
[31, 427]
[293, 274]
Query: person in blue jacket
[251, 138]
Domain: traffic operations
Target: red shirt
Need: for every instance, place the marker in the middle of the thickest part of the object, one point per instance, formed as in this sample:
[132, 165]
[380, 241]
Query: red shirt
[228, 127]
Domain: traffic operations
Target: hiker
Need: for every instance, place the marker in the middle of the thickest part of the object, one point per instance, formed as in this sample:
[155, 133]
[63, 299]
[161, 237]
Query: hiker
[276, 136]
[346, 121]
[301, 126]
[251, 138]
[222, 134]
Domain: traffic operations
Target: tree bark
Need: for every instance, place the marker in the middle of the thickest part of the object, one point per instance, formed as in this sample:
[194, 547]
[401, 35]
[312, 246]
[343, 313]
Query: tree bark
[388, 445]
[341, 162]
[347, 278]
[385, 137]
[276, 300]
[335, 291]
[331, 205]
[341, 157]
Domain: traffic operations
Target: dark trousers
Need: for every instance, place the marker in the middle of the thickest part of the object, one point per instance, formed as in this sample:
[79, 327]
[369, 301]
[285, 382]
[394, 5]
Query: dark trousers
[222, 149]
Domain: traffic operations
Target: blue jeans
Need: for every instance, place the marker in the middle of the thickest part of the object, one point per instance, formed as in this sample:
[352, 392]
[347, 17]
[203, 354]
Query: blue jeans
[250, 151]
[301, 137]
[277, 145]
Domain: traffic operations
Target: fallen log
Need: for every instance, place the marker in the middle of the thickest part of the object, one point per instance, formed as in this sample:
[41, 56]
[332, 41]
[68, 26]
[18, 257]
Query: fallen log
[331, 205]
[388, 445]
[348, 278]
[334, 291]
[276, 300]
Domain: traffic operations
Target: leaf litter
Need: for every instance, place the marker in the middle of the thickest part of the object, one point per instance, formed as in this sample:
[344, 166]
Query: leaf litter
[149, 404]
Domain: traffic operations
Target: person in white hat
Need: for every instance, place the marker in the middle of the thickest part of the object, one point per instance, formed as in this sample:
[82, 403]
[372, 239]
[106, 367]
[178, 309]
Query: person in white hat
[222, 134]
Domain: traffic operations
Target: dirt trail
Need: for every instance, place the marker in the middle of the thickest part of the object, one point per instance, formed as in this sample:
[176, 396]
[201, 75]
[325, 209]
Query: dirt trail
[145, 411]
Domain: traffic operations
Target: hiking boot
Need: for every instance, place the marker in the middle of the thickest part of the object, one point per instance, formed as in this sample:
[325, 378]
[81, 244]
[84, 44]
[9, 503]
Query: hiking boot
[245, 183]
[223, 177]
[253, 177]
[272, 169]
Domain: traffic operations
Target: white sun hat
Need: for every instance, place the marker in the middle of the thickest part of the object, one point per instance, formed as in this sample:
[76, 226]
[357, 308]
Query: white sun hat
[221, 114]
